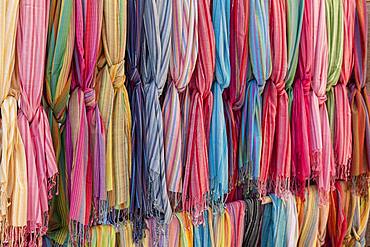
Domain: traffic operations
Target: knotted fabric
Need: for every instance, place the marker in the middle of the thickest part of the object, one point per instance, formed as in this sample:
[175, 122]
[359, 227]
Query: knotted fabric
[234, 95]
[250, 144]
[32, 119]
[138, 205]
[236, 212]
[115, 107]
[13, 192]
[320, 136]
[58, 76]
[85, 135]
[197, 169]
[275, 156]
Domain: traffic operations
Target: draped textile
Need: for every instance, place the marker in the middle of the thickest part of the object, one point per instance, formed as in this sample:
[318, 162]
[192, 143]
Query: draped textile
[13, 157]
[222, 229]
[85, 134]
[275, 155]
[310, 218]
[114, 105]
[103, 235]
[196, 183]
[252, 221]
[218, 150]
[203, 234]
[236, 212]
[125, 235]
[138, 204]
[156, 234]
[360, 103]
[154, 67]
[32, 119]
[234, 95]
[292, 226]
[184, 50]
[274, 224]
[181, 230]
[320, 135]
[260, 56]
[61, 34]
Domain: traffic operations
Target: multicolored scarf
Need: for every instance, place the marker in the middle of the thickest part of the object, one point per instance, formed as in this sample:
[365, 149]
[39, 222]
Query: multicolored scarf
[138, 207]
[13, 192]
[32, 119]
[203, 234]
[222, 229]
[58, 76]
[125, 235]
[184, 48]
[320, 136]
[276, 148]
[250, 144]
[103, 235]
[197, 170]
[252, 221]
[236, 212]
[234, 95]
[218, 150]
[85, 136]
[181, 230]
[115, 109]
[155, 58]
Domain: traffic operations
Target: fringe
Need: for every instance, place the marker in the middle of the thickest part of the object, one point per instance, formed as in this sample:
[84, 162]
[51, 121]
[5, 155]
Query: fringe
[343, 169]
[315, 163]
[360, 184]
[14, 236]
[79, 234]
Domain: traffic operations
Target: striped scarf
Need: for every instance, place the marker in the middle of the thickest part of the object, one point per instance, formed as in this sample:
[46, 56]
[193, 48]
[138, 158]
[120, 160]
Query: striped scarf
[13, 216]
[85, 135]
[203, 234]
[300, 100]
[320, 139]
[236, 212]
[218, 151]
[234, 95]
[196, 171]
[103, 235]
[250, 144]
[138, 205]
[252, 221]
[222, 229]
[184, 50]
[155, 58]
[125, 235]
[181, 230]
[275, 156]
[115, 109]
[61, 34]
[32, 119]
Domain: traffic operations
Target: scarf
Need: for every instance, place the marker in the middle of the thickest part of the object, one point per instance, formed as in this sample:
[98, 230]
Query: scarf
[222, 229]
[250, 144]
[125, 235]
[61, 33]
[360, 104]
[115, 109]
[236, 212]
[218, 152]
[234, 95]
[320, 139]
[300, 101]
[274, 223]
[292, 226]
[134, 43]
[184, 50]
[181, 230]
[156, 234]
[309, 222]
[32, 119]
[13, 217]
[85, 134]
[252, 222]
[203, 234]
[196, 170]
[275, 156]
[154, 67]
[103, 235]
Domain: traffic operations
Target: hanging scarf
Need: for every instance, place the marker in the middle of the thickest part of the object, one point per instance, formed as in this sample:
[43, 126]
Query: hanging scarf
[310, 221]
[115, 108]
[196, 184]
[32, 119]
[85, 135]
[125, 235]
[301, 167]
[320, 139]
[103, 235]
[275, 156]
[156, 234]
[250, 144]
[184, 48]
[222, 229]
[218, 152]
[292, 231]
[236, 212]
[181, 230]
[134, 42]
[234, 95]
[252, 221]
[203, 234]
[360, 104]
[61, 34]
[13, 216]
[274, 223]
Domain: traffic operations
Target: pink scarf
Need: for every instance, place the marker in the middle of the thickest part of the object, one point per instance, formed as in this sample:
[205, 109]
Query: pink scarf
[32, 119]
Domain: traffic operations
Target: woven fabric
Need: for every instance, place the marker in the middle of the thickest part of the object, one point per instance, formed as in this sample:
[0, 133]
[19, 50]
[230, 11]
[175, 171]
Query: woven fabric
[236, 211]
[253, 222]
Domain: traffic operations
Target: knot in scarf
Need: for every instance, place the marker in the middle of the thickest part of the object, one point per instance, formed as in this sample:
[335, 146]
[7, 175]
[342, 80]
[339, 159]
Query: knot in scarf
[89, 97]
[117, 74]
[134, 76]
